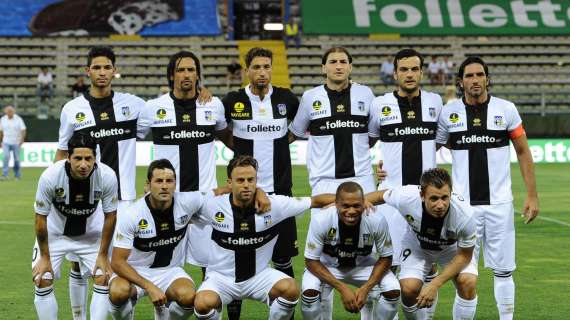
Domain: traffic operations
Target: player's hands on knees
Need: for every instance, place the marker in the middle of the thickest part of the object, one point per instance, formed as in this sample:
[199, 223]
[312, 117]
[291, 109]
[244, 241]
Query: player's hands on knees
[204, 95]
[42, 267]
[361, 297]
[156, 296]
[530, 209]
[103, 267]
[427, 296]
[349, 300]
[380, 173]
[262, 203]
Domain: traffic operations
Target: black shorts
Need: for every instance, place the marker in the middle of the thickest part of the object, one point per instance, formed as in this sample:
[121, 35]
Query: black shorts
[287, 245]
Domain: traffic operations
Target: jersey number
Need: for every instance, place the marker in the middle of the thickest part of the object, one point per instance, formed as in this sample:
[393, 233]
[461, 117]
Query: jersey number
[406, 253]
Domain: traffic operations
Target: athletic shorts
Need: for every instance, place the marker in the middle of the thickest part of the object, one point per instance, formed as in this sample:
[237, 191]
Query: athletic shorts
[199, 244]
[496, 235]
[356, 276]
[397, 227]
[255, 288]
[85, 250]
[160, 277]
[416, 262]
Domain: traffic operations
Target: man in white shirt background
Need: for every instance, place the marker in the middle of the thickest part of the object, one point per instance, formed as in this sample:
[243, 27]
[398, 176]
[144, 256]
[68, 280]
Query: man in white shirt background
[45, 83]
[12, 135]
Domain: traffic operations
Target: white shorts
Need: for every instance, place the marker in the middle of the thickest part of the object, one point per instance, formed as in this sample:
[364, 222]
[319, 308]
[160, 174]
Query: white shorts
[160, 277]
[255, 288]
[397, 227]
[496, 233]
[199, 244]
[416, 262]
[321, 186]
[85, 250]
[355, 276]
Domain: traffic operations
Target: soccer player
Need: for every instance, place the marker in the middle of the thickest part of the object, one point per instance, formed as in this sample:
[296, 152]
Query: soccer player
[75, 206]
[443, 231]
[405, 122]
[259, 116]
[336, 116]
[183, 131]
[244, 242]
[111, 119]
[339, 252]
[478, 129]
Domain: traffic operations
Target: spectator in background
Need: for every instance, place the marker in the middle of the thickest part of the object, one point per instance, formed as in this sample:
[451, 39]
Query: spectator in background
[234, 73]
[292, 33]
[387, 72]
[447, 69]
[450, 94]
[435, 73]
[45, 84]
[79, 87]
[12, 135]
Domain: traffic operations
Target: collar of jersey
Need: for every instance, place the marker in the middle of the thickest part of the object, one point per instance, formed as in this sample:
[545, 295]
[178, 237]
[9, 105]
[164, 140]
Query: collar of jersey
[415, 100]
[482, 105]
[183, 102]
[253, 96]
[98, 101]
[337, 93]
[244, 212]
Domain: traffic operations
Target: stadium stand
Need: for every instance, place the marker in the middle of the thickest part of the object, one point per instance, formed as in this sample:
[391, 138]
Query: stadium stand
[531, 71]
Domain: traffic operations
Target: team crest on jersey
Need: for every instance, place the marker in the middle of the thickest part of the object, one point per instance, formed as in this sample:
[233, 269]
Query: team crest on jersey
[184, 219]
[317, 105]
[366, 239]
[331, 233]
[185, 117]
[160, 114]
[96, 195]
[143, 224]
[499, 121]
[80, 117]
[267, 220]
[219, 217]
[208, 115]
[126, 111]
[311, 245]
[244, 226]
[361, 105]
[40, 204]
[476, 122]
[282, 109]
[431, 112]
[104, 116]
[340, 108]
[409, 218]
[59, 194]
[411, 114]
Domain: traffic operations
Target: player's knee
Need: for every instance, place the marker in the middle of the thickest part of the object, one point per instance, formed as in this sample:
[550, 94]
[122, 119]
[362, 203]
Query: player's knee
[45, 283]
[410, 289]
[75, 266]
[205, 301]
[311, 293]
[101, 280]
[185, 296]
[466, 286]
[392, 294]
[119, 291]
[286, 288]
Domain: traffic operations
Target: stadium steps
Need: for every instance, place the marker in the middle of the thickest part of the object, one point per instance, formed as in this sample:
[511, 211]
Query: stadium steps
[280, 75]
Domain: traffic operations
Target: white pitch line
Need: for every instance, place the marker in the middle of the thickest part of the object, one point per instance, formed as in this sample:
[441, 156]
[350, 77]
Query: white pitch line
[18, 223]
[562, 223]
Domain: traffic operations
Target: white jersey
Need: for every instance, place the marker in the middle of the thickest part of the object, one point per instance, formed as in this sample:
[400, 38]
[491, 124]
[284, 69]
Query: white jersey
[458, 225]
[478, 137]
[183, 132]
[157, 239]
[407, 135]
[260, 130]
[75, 207]
[338, 245]
[243, 240]
[112, 121]
[338, 126]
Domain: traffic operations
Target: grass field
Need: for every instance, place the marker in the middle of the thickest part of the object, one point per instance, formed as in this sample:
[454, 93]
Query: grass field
[543, 254]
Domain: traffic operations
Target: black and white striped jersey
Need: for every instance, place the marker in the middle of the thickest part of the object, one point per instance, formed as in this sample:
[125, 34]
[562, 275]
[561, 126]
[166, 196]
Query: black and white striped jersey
[74, 207]
[112, 121]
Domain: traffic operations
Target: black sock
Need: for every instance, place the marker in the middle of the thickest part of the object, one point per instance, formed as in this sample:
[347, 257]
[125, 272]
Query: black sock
[234, 310]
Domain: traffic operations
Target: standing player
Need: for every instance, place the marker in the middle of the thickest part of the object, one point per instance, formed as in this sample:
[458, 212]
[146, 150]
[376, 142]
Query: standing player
[336, 116]
[183, 131]
[478, 129]
[443, 231]
[405, 122]
[244, 242]
[75, 206]
[259, 116]
[339, 252]
[111, 119]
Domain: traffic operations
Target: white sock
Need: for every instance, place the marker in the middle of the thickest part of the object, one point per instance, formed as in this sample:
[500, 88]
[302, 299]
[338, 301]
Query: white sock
[161, 313]
[367, 312]
[464, 309]
[212, 315]
[282, 309]
[413, 313]
[122, 312]
[386, 308]
[178, 312]
[78, 295]
[430, 312]
[311, 307]
[327, 298]
[46, 305]
[99, 303]
[505, 295]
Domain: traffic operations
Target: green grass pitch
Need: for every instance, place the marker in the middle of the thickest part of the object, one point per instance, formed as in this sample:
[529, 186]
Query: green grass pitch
[542, 277]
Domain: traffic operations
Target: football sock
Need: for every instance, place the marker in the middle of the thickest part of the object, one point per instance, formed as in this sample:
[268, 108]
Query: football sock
[212, 315]
[311, 307]
[386, 308]
[234, 310]
[413, 313]
[505, 294]
[464, 309]
[99, 303]
[178, 312]
[282, 309]
[46, 305]
[78, 295]
[121, 312]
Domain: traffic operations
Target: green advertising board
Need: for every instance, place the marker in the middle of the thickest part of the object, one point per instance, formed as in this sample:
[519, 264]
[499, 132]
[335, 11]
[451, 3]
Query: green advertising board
[436, 17]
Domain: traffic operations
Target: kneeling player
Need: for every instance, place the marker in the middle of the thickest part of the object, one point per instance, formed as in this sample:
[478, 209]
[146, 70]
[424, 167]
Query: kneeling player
[243, 245]
[339, 252]
[443, 231]
[70, 220]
